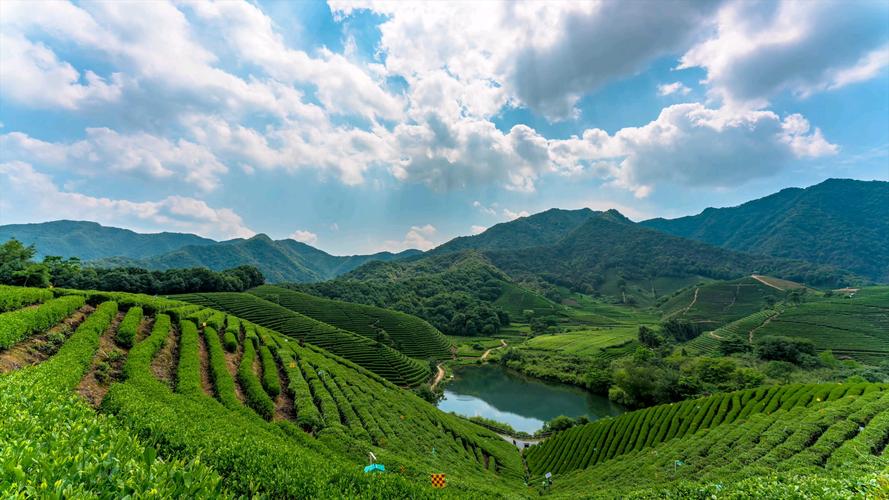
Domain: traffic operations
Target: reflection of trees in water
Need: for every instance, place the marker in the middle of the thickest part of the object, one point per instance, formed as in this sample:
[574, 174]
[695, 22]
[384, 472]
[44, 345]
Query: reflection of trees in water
[511, 392]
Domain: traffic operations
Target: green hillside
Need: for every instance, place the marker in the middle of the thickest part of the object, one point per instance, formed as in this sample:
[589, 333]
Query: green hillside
[585, 446]
[856, 326]
[832, 449]
[408, 334]
[90, 241]
[375, 356]
[279, 261]
[717, 303]
[532, 231]
[841, 222]
[327, 415]
[270, 417]
[609, 254]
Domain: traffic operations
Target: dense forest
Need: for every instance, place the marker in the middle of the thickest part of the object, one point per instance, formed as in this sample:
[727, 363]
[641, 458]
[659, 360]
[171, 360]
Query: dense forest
[17, 267]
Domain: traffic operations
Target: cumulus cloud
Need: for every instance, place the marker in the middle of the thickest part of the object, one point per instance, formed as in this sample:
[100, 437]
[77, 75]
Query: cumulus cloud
[477, 229]
[304, 236]
[492, 210]
[418, 237]
[37, 198]
[105, 150]
[672, 88]
[761, 49]
[691, 144]
[32, 74]
[510, 215]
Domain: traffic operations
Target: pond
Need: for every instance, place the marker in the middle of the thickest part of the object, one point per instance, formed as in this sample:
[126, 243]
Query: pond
[525, 403]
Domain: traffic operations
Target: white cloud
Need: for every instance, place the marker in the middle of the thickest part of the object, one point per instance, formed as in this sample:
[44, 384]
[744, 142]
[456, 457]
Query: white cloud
[32, 74]
[510, 215]
[672, 88]
[418, 237]
[690, 144]
[37, 198]
[477, 229]
[104, 150]
[761, 49]
[304, 236]
[492, 210]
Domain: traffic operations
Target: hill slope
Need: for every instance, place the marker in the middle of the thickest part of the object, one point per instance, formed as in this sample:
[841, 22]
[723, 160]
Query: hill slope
[279, 261]
[542, 228]
[609, 253]
[840, 222]
[408, 334]
[282, 260]
[90, 241]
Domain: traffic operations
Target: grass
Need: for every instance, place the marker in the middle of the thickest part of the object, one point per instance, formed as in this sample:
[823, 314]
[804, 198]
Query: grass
[584, 342]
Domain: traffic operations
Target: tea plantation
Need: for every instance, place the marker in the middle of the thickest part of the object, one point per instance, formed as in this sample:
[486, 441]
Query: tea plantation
[234, 396]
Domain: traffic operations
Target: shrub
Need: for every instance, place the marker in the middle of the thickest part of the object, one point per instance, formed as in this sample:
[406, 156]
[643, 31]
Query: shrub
[126, 331]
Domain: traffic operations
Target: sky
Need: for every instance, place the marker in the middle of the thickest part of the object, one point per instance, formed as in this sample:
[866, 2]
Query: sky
[364, 126]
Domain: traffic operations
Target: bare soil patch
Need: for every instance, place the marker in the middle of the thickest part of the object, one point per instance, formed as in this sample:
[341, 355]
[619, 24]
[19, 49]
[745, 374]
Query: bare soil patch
[164, 363]
[106, 367]
[284, 403]
[40, 347]
[206, 383]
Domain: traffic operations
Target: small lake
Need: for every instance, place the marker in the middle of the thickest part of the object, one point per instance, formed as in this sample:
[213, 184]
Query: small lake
[525, 403]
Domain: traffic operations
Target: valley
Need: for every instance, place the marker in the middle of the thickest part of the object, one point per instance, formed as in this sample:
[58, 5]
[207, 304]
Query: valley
[603, 365]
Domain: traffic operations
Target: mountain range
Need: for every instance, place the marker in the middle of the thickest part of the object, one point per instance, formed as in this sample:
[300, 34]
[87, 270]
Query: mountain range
[841, 222]
[825, 234]
[101, 246]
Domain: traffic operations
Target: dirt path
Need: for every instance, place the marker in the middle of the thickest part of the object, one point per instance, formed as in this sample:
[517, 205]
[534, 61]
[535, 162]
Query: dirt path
[206, 383]
[40, 347]
[164, 364]
[144, 328]
[693, 301]
[232, 360]
[107, 365]
[764, 323]
[764, 282]
[488, 352]
[438, 376]
[284, 409]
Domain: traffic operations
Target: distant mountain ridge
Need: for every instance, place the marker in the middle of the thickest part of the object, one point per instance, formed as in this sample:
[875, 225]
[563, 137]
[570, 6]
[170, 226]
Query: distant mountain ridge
[90, 240]
[841, 222]
[102, 246]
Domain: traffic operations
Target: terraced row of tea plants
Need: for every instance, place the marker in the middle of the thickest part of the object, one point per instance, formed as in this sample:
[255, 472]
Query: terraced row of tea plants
[375, 356]
[588, 445]
[408, 334]
[835, 449]
[852, 327]
[717, 303]
[211, 405]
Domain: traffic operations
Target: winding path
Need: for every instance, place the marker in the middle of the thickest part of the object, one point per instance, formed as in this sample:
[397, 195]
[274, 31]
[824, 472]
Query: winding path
[438, 376]
[501, 346]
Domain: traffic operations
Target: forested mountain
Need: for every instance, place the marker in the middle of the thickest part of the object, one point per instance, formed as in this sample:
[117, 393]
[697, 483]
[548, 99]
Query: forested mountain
[89, 240]
[609, 252]
[102, 246]
[539, 229]
[842, 222]
[282, 260]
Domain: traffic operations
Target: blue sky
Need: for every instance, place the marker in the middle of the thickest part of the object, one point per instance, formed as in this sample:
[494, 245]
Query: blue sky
[364, 127]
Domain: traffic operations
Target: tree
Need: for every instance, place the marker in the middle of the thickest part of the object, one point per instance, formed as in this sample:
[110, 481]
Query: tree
[790, 349]
[14, 257]
[649, 338]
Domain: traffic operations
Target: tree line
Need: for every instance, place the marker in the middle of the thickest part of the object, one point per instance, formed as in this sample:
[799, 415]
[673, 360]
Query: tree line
[18, 267]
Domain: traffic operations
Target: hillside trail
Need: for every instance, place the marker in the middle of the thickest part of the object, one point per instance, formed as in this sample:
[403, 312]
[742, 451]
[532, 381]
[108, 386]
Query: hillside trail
[764, 282]
[764, 323]
[693, 301]
[438, 376]
[501, 346]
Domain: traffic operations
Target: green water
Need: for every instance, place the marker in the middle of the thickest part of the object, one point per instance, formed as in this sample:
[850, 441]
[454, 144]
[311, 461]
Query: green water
[525, 403]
